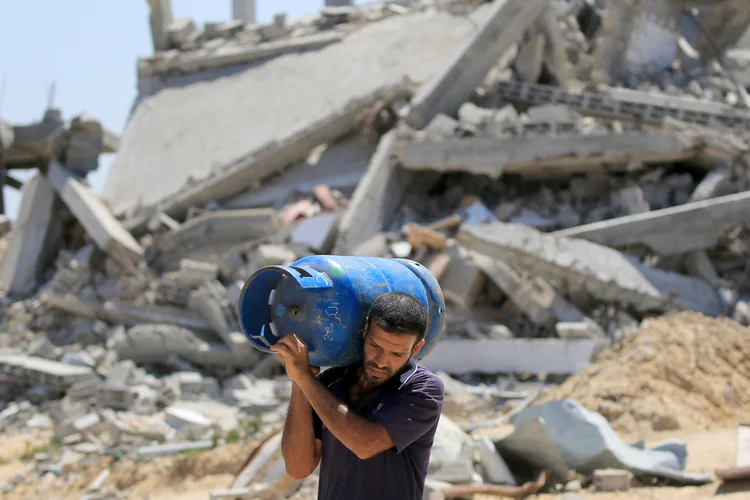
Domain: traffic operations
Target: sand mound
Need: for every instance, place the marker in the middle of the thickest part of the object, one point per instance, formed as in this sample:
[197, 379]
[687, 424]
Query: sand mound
[681, 371]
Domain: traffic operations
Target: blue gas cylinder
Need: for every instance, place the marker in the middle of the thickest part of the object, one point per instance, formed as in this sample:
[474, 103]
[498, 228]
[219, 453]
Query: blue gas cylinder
[325, 299]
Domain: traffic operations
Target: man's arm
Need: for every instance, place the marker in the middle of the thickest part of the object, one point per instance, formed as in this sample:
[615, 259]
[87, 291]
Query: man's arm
[299, 447]
[363, 437]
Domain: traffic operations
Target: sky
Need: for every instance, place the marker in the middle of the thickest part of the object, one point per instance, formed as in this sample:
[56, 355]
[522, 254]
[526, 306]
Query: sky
[89, 49]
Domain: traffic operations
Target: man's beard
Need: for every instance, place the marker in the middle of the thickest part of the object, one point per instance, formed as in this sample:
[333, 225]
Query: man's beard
[382, 376]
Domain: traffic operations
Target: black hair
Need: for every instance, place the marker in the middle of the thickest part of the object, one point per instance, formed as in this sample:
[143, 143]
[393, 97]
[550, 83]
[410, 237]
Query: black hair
[398, 312]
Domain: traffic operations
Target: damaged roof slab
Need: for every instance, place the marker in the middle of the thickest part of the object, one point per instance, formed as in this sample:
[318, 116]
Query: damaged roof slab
[247, 118]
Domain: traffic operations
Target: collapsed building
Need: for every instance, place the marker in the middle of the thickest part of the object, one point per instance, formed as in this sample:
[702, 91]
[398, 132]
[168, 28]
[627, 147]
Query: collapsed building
[561, 178]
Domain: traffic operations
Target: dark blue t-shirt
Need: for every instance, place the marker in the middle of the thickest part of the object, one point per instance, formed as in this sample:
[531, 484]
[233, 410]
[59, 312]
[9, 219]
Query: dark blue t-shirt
[409, 407]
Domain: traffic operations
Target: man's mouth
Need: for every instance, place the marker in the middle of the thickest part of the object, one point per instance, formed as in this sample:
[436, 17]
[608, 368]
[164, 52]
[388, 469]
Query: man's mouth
[377, 372]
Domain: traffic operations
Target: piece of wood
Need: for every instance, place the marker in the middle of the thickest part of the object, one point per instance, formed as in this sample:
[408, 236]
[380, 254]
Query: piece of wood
[450, 222]
[109, 235]
[420, 237]
[500, 490]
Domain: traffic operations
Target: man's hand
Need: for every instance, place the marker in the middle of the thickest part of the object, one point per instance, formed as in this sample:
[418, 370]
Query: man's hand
[293, 353]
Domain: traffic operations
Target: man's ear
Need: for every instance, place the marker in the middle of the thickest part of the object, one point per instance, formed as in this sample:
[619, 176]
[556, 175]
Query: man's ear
[417, 348]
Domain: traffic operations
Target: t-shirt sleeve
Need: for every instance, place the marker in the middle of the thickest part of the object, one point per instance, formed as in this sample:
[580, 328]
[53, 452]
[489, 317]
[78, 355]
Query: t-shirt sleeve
[409, 413]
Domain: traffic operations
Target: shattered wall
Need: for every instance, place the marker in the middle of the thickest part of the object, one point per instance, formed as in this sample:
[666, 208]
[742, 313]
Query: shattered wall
[185, 128]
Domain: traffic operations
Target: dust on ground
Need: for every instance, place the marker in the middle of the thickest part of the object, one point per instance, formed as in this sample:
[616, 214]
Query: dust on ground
[680, 371]
[194, 475]
[189, 476]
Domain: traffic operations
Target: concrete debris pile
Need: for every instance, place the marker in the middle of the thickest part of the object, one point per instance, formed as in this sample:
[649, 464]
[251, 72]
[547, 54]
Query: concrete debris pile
[527, 152]
[682, 371]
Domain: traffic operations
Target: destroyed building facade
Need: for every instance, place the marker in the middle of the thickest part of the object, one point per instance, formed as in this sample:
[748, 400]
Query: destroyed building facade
[561, 180]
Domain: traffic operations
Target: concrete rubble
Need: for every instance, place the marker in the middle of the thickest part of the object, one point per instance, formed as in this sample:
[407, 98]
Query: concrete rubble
[561, 182]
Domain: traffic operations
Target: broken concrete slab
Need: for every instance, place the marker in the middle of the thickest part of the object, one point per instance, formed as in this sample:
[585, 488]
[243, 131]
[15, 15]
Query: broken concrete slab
[669, 231]
[33, 240]
[375, 200]
[155, 343]
[562, 435]
[124, 314]
[234, 153]
[721, 27]
[504, 26]
[629, 105]
[221, 226]
[163, 450]
[95, 217]
[583, 269]
[553, 356]
[340, 166]
[55, 376]
[33, 145]
[528, 156]
[317, 233]
[270, 255]
[232, 55]
[534, 296]
[462, 278]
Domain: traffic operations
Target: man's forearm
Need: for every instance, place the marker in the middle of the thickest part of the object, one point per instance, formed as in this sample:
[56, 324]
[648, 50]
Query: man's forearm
[298, 438]
[345, 425]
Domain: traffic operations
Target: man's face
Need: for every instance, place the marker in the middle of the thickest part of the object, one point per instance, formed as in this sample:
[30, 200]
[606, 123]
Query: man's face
[386, 353]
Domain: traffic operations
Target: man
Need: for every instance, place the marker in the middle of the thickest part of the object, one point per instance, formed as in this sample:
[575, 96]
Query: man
[371, 426]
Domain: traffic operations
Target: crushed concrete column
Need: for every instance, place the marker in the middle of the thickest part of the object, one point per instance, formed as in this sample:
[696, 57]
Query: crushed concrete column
[375, 199]
[33, 239]
[722, 27]
[160, 18]
[505, 25]
[582, 269]
[95, 217]
[243, 10]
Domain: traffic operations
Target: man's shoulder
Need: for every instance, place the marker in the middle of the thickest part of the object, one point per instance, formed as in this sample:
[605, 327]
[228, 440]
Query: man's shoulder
[424, 381]
[332, 374]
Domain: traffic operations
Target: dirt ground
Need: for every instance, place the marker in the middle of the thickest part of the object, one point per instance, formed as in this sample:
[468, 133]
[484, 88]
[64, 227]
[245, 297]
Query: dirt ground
[194, 476]
[184, 477]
